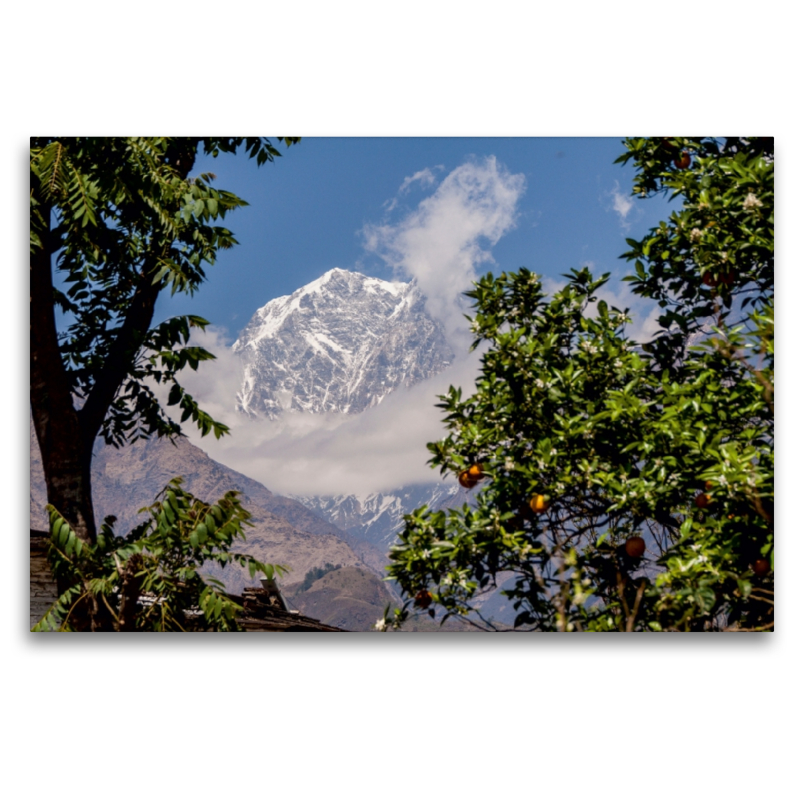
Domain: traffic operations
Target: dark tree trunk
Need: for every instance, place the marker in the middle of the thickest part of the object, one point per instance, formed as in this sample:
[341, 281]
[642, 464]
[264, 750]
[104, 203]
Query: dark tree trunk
[66, 461]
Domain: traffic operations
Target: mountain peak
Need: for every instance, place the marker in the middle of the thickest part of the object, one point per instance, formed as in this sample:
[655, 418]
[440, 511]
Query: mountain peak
[341, 343]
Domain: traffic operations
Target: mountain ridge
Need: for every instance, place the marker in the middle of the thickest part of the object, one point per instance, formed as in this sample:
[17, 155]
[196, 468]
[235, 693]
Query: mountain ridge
[339, 344]
[126, 480]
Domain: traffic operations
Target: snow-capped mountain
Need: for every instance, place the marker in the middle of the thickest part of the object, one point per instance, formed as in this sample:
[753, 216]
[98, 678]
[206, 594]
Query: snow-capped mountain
[376, 518]
[341, 344]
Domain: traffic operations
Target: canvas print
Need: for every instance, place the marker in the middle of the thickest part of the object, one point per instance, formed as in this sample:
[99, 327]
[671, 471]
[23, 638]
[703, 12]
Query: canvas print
[388, 385]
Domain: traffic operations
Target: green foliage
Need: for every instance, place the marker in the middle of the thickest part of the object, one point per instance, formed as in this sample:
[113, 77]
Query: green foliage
[715, 255]
[162, 559]
[314, 574]
[125, 222]
[670, 440]
[121, 221]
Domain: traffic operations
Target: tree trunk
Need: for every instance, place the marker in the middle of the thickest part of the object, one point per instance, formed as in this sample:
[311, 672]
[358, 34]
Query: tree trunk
[65, 458]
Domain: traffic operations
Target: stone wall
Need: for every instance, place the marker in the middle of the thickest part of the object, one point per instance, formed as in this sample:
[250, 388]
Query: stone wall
[43, 587]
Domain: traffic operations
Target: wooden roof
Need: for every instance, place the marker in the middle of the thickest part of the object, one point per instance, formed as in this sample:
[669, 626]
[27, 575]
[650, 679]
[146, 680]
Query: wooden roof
[263, 610]
[261, 614]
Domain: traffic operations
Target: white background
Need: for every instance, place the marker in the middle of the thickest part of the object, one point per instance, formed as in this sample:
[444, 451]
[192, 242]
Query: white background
[394, 716]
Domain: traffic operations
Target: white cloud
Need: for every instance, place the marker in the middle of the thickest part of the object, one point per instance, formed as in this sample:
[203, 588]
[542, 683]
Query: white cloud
[621, 203]
[552, 285]
[380, 449]
[443, 242]
[424, 176]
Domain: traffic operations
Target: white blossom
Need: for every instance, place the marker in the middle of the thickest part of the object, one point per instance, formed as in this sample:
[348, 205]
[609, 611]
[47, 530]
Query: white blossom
[696, 235]
[380, 625]
[751, 202]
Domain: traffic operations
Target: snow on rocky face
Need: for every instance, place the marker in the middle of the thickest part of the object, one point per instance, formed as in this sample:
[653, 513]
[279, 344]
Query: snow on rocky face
[377, 517]
[341, 343]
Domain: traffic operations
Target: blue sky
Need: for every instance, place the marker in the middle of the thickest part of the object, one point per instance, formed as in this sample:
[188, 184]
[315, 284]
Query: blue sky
[309, 210]
[441, 210]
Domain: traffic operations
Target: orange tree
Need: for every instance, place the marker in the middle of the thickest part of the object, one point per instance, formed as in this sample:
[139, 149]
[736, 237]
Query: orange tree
[625, 485]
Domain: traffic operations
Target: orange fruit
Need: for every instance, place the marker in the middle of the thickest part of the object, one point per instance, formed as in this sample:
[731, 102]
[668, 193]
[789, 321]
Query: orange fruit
[538, 504]
[761, 567]
[465, 480]
[709, 486]
[683, 160]
[702, 500]
[476, 472]
[726, 278]
[634, 547]
[423, 598]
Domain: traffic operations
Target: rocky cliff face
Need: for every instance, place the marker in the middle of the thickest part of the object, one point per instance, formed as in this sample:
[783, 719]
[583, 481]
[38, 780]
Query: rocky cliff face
[377, 517]
[340, 344]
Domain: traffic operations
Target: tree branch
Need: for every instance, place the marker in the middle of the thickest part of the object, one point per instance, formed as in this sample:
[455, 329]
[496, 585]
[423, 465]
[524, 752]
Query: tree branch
[131, 334]
[121, 355]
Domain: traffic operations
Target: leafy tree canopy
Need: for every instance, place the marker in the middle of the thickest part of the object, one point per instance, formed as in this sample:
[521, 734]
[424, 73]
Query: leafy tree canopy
[125, 222]
[624, 485]
[119, 220]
